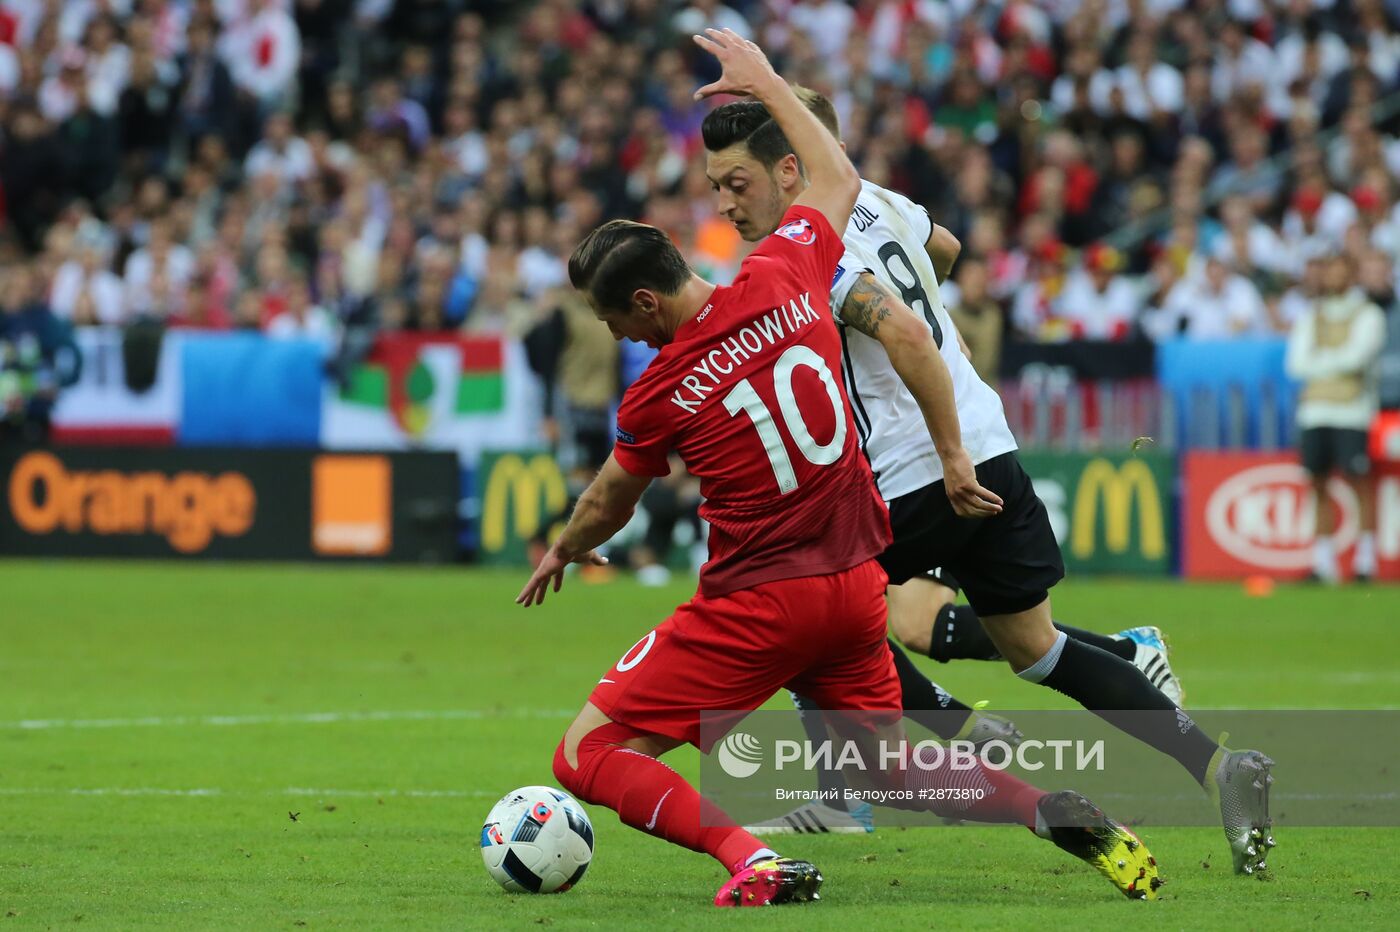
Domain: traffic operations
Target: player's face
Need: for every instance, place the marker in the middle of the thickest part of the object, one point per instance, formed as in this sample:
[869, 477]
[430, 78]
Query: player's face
[747, 194]
[632, 324]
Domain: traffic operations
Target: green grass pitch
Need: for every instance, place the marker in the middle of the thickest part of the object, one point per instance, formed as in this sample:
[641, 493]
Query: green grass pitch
[226, 746]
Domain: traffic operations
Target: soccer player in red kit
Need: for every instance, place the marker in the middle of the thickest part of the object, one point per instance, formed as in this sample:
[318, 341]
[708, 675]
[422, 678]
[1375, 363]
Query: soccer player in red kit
[745, 389]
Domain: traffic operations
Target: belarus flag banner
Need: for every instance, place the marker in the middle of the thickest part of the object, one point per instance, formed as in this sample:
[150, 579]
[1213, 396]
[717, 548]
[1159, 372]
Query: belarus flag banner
[436, 391]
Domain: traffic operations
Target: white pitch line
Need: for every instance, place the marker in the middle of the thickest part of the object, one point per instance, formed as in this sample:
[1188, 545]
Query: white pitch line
[214, 791]
[304, 718]
[428, 715]
[321, 793]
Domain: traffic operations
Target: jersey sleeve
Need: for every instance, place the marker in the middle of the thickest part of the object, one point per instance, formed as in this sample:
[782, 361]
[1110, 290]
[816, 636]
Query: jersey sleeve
[848, 269]
[804, 249]
[915, 217]
[644, 435]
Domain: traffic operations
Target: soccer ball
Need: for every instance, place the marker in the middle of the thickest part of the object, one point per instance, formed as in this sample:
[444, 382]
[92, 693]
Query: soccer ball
[537, 840]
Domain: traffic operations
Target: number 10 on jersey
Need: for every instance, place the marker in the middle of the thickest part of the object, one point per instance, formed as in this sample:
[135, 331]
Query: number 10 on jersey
[743, 398]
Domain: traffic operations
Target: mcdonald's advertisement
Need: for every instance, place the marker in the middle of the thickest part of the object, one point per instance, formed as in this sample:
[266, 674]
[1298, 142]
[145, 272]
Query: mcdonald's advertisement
[228, 504]
[522, 495]
[1112, 513]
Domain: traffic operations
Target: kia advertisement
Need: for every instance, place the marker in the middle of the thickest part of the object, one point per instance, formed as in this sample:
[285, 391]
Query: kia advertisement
[1251, 514]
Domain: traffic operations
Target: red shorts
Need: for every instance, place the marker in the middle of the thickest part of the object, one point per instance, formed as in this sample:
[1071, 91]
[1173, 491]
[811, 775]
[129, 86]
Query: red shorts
[821, 636]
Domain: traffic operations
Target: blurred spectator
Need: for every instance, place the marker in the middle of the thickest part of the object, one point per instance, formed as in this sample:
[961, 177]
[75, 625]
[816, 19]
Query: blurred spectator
[303, 319]
[204, 307]
[1035, 308]
[429, 166]
[1097, 303]
[145, 113]
[280, 153]
[1247, 244]
[666, 502]
[36, 357]
[1333, 349]
[1216, 305]
[85, 290]
[578, 362]
[711, 14]
[156, 273]
[205, 98]
[1248, 172]
[979, 318]
[1298, 301]
[31, 186]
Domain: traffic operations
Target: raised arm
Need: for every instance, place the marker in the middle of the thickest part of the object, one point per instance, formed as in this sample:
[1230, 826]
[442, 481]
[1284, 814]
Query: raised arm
[602, 510]
[875, 311]
[833, 183]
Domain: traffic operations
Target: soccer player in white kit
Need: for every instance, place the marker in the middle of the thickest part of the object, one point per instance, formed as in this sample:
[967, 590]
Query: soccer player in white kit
[947, 468]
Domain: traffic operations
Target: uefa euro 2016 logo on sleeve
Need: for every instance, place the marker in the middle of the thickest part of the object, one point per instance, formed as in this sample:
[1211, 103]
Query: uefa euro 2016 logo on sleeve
[799, 231]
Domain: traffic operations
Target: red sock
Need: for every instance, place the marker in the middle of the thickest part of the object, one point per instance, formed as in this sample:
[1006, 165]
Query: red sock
[650, 796]
[1003, 797]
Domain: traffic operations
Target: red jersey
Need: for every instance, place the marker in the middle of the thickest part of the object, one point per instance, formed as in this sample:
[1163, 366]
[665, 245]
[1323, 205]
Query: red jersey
[749, 394]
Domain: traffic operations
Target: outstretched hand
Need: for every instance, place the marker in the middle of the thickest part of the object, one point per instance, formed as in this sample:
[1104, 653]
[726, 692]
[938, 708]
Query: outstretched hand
[745, 68]
[551, 568]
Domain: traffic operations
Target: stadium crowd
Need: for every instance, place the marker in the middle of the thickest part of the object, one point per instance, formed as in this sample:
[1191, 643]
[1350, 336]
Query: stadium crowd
[1113, 168]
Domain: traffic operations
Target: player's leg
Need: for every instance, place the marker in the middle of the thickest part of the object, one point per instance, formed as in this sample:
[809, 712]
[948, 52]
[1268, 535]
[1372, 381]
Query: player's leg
[1008, 571]
[1099, 681]
[956, 633]
[915, 610]
[651, 701]
[1120, 694]
[856, 681]
[1356, 467]
[861, 682]
[613, 765]
[1324, 555]
[1316, 453]
[924, 702]
[831, 812]
[922, 610]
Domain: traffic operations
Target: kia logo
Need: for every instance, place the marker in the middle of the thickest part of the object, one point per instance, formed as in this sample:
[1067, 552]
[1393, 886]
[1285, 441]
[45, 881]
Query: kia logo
[1265, 516]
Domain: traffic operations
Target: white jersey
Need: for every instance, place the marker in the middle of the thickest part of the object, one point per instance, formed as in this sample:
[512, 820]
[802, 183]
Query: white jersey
[886, 237]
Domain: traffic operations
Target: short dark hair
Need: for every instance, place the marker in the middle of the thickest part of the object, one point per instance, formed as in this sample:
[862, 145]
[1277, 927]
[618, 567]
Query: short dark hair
[621, 256]
[749, 122]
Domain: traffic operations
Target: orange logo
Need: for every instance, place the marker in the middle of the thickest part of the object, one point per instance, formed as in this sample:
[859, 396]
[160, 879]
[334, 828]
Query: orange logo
[188, 508]
[351, 505]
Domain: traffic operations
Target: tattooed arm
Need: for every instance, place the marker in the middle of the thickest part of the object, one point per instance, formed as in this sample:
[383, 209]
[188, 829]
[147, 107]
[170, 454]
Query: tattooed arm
[878, 313]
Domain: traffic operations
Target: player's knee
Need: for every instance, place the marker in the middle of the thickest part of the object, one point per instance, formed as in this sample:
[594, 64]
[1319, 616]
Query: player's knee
[579, 754]
[566, 773]
[913, 608]
[909, 629]
[1021, 639]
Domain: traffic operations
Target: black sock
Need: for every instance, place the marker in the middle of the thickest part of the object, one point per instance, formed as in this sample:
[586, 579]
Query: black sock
[1118, 647]
[1121, 695]
[958, 635]
[925, 701]
[830, 782]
